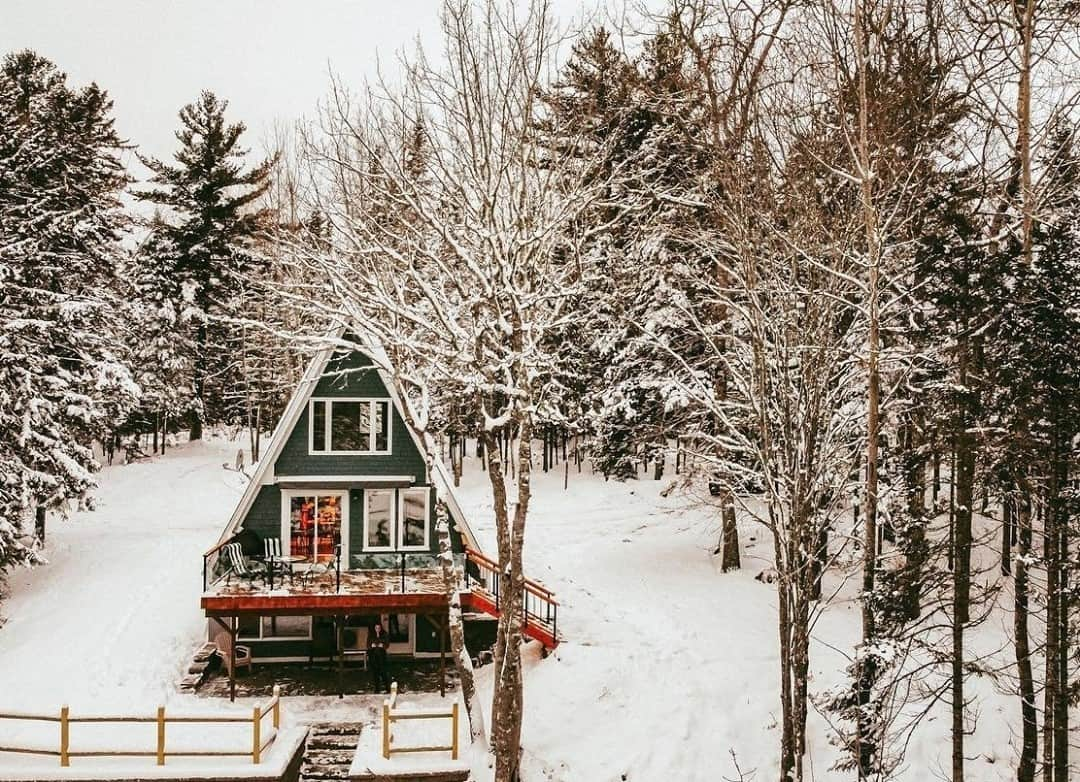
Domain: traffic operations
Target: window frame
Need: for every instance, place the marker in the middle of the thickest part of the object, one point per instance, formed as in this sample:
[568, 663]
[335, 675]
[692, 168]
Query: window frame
[328, 427]
[286, 516]
[401, 518]
[368, 492]
[261, 637]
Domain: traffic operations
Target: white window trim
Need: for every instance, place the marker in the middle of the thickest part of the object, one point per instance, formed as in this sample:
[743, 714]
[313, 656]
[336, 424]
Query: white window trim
[393, 522]
[286, 521]
[328, 427]
[401, 518]
[262, 637]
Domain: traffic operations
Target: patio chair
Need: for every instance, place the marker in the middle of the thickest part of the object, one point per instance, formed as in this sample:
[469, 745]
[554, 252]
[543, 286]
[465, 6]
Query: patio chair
[309, 571]
[243, 653]
[239, 566]
[272, 547]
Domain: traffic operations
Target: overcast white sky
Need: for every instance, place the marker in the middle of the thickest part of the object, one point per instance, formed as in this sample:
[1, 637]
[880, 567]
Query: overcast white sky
[269, 58]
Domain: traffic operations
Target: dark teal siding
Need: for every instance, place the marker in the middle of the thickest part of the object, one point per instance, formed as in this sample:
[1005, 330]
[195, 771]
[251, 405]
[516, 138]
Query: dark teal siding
[265, 514]
[344, 379]
[352, 376]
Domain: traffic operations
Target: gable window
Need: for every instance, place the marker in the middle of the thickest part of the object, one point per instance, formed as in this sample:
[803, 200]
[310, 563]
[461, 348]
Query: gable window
[350, 426]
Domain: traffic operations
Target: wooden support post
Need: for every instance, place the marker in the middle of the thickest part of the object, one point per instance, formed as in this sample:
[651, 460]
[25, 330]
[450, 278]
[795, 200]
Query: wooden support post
[161, 736]
[277, 706]
[338, 622]
[256, 738]
[442, 656]
[454, 738]
[65, 736]
[232, 659]
[386, 729]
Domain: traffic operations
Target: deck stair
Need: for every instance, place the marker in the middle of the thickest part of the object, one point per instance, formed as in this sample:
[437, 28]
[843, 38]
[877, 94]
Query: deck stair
[329, 751]
[541, 616]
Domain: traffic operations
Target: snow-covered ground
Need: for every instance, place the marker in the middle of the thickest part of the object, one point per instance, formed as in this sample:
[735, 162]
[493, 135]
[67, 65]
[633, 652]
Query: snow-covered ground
[670, 668]
[667, 668]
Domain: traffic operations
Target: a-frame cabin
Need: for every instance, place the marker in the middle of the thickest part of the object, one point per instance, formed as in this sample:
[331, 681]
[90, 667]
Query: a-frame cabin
[341, 513]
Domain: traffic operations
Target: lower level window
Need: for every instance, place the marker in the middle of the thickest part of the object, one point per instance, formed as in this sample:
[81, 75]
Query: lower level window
[267, 628]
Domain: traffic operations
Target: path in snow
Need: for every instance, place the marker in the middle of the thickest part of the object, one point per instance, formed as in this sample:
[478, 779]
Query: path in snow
[111, 620]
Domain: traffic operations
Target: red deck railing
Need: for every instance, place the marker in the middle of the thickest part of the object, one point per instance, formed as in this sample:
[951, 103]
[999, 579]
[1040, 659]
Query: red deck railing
[540, 608]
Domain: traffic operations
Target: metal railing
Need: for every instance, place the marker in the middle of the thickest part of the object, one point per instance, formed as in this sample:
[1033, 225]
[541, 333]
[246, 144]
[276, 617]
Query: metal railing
[538, 602]
[391, 714]
[65, 719]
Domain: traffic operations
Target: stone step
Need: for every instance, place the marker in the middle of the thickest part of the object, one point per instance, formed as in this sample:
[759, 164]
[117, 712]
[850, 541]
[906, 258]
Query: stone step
[336, 727]
[333, 741]
[328, 757]
[324, 772]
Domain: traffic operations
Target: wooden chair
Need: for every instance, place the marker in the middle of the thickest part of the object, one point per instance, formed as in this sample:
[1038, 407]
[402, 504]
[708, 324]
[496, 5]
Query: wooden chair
[223, 641]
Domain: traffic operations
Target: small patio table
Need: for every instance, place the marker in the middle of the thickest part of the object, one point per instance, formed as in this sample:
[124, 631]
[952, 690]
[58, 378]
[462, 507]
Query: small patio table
[272, 562]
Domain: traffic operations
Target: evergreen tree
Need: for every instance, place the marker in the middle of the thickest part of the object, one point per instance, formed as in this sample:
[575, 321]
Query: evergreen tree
[63, 375]
[212, 226]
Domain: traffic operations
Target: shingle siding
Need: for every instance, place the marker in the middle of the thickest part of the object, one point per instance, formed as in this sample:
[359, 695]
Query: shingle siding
[346, 378]
[351, 379]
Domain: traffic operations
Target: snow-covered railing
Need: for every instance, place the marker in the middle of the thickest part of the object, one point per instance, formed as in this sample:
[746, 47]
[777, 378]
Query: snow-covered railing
[391, 714]
[260, 741]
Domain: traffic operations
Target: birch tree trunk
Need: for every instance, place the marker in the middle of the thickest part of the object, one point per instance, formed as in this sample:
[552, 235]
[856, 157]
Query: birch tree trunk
[452, 579]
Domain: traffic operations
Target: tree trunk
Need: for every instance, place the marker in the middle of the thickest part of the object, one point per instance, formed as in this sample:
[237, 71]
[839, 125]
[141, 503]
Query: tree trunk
[1007, 522]
[1026, 768]
[452, 578]
[39, 524]
[729, 538]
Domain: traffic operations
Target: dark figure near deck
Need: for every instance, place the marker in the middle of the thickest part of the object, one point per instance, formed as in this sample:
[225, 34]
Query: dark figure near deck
[378, 642]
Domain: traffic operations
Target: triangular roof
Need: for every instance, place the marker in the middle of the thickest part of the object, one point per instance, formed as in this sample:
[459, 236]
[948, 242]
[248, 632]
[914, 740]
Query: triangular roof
[298, 403]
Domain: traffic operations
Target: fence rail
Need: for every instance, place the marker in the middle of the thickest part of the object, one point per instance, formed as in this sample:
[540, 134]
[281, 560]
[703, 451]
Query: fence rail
[259, 741]
[390, 716]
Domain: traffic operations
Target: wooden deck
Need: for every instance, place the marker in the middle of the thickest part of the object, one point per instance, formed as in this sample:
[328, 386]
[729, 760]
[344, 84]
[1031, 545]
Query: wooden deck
[359, 590]
[412, 590]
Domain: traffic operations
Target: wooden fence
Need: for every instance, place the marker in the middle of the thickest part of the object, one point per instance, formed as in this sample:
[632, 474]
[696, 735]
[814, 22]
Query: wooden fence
[391, 715]
[260, 741]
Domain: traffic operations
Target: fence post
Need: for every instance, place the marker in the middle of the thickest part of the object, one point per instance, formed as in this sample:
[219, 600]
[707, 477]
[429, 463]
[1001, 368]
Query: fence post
[65, 731]
[161, 736]
[256, 739]
[386, 729]
[277, 706]
[454, 738]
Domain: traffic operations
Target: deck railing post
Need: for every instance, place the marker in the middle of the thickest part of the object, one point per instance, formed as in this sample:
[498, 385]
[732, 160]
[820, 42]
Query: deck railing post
[277, 706]
[65, 736]
[161, 736]
[454, 727]
[256, 739]
[386, 729]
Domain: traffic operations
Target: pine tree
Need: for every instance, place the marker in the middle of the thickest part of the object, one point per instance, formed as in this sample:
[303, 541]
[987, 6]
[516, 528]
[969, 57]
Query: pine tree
[63, 374]
[212, 227]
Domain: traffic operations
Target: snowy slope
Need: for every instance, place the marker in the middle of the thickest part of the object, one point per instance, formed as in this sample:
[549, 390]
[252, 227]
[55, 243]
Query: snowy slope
[667, 666]
[111, 620]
